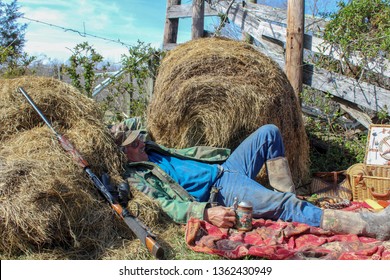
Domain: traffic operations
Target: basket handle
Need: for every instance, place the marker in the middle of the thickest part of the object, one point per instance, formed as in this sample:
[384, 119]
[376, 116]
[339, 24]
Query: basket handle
[359, 178]
[333, 174]
[378, 196]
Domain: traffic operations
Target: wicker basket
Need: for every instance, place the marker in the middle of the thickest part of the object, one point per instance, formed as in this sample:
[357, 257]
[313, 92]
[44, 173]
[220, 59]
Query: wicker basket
[331, 184]
[371, 183]
[373, 180]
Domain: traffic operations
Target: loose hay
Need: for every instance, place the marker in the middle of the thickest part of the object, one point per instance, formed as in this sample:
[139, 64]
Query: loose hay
[47, 203]
[216, 92]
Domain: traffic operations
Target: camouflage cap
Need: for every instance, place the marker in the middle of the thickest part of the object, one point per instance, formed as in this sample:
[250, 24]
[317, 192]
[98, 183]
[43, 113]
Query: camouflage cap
[130, 135]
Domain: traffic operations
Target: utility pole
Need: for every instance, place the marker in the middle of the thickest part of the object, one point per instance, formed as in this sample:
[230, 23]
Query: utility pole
[294, 43]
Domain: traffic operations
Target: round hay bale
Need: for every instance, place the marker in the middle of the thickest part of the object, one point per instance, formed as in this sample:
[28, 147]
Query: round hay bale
[47, 201]
[216, 91]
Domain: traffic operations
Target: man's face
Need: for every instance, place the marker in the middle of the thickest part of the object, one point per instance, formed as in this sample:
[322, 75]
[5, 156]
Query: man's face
[136, 151]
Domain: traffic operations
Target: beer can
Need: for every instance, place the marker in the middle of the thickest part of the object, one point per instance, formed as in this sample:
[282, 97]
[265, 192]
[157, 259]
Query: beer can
[244, 216]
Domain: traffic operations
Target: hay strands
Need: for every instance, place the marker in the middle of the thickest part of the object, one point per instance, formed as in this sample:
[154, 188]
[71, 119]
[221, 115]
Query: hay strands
[139, 229]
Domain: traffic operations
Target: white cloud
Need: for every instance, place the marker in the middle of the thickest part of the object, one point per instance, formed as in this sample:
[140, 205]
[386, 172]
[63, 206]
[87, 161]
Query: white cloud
[63, 22]
[57, 26]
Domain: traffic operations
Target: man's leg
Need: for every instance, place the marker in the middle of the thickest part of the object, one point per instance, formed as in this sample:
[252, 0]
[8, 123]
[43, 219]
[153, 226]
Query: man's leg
[265, 145]
[366, 223]
[272, 205]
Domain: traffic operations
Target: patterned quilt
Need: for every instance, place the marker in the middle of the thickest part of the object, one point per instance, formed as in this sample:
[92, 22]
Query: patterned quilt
[278, 240]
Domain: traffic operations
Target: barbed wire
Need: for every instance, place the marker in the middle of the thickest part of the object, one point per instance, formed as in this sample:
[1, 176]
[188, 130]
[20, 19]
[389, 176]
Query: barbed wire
[81, 33]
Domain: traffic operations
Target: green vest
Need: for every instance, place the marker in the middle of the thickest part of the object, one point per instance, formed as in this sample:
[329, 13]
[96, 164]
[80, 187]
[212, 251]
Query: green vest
[154, 182]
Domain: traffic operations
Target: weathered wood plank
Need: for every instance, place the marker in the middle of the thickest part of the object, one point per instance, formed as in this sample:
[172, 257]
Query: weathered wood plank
[363, 94]
[170, 46]
[245, 36]
[171, 25]
[185, 11]
[265, 25]
[197, 29]
[263, 21]
[266, 13]
[358, 115]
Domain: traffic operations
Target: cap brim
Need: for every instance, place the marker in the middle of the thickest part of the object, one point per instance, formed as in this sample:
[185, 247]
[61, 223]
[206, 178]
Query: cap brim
[131, 138]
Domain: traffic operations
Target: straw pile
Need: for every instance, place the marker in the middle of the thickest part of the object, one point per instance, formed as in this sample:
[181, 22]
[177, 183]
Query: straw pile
[216, 92]
[46, 200]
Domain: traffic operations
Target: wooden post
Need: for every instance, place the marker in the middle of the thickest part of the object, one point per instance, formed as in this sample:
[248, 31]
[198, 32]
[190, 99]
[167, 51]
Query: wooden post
[197, 19]
[294, 43]
[245, 36]
[171, 25]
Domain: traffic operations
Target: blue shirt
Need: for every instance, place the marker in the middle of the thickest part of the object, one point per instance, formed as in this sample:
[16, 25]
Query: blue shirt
[195, 177]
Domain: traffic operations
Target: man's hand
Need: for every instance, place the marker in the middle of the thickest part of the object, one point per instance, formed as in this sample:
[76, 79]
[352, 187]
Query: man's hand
[220, 216]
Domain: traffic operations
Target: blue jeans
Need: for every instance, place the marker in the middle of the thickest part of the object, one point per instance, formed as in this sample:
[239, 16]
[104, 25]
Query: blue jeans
[238, 180]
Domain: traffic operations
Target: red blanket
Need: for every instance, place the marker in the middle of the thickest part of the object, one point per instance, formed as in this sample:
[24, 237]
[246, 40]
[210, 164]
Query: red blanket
[282, 240]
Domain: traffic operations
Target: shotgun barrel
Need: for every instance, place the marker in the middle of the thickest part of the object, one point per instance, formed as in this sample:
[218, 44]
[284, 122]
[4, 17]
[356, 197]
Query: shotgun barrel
[138, 228]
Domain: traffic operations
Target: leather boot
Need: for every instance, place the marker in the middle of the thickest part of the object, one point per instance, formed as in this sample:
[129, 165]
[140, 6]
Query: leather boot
[279, 175]
[366, 223]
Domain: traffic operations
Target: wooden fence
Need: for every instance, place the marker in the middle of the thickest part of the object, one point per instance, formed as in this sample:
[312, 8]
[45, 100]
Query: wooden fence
[268, 26]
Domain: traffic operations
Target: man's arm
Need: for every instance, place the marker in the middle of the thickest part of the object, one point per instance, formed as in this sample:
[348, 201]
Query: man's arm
[181, 210]
[177, 205]
[219, 216]
[177, 208]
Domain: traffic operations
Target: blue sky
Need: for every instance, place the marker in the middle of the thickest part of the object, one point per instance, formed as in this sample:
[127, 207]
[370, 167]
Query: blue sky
[127, 21]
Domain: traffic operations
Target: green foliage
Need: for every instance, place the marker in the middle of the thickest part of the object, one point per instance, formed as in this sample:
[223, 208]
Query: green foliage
[383, 115]
[84, 63]
[127, 89]
[13, 64]
[332, 149]
[140, 67]
[13, 61]
[223, 21]
[11, 32]
[361, 25]
[334, 146]
[360, 28]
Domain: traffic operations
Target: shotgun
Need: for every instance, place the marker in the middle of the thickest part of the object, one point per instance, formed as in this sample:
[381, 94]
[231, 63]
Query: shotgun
[139, 229]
